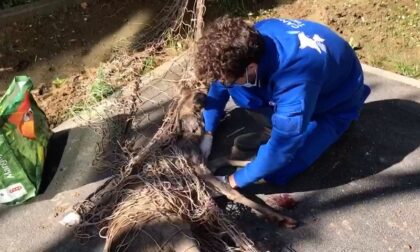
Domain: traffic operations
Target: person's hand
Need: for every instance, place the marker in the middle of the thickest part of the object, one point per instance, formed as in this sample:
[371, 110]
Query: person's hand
[229, 179]
[205, 145]
[223, 179]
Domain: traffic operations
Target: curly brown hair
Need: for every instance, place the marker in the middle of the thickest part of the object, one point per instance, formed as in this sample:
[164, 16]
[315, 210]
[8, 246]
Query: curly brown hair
[227, 47]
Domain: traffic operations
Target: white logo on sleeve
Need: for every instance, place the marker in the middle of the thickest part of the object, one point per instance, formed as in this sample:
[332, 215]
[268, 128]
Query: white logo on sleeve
[295, 24]
[316, 42]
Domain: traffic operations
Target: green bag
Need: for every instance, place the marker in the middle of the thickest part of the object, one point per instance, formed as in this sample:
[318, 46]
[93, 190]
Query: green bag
[24, 135]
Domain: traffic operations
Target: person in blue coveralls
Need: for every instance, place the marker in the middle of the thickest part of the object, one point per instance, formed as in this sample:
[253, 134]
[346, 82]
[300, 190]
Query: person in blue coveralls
[300, 74]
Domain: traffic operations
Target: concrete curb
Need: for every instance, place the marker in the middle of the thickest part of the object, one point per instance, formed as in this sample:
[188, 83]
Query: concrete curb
[392, 76]
[38, 8]
[74, 122]
[105, 106]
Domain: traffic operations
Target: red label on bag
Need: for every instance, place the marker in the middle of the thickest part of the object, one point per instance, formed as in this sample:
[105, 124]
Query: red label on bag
[15, 189]
[12, 193]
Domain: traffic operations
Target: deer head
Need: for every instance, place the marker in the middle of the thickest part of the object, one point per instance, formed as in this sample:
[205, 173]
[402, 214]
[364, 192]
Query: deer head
[190, 122]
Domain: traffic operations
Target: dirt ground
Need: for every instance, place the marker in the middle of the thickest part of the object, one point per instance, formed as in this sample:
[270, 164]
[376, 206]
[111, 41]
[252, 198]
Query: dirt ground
[69, 41]
[63, 51]
[385, 34]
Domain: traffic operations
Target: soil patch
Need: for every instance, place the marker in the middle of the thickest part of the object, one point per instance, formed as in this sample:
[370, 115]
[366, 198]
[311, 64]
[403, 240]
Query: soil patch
[63, 52]
[385, 34]
[69, 41]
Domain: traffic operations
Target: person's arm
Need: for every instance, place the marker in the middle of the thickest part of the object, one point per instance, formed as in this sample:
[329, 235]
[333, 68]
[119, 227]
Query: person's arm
[294, 107]
[214, 109]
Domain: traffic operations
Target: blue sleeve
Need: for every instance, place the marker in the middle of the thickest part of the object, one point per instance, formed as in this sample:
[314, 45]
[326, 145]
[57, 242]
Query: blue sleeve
[214, 110]
[295, 105]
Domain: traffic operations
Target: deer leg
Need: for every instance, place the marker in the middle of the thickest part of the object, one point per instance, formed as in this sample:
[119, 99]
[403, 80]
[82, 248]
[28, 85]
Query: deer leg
[224, 161]
[236, 196]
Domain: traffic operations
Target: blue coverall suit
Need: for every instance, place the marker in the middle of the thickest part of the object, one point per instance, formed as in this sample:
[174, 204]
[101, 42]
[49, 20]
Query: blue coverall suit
[314, 83]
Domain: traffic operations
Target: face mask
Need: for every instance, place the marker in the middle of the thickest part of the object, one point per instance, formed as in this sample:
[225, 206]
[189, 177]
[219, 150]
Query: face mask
[247, 84]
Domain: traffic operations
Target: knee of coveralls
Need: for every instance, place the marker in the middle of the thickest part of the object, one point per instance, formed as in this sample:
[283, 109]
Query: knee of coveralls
[319, 136]
[350, 109]
[321, 133]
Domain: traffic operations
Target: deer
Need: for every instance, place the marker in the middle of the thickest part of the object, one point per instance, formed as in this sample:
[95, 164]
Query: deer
[134, 226]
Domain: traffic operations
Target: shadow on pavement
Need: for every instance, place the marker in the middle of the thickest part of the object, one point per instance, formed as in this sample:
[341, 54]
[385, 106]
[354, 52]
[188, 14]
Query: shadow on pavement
[378, 147]
[55, 151]
[385, 134]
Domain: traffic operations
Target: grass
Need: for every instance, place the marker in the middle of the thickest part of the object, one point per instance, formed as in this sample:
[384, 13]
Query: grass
[171, 41]
[406, 21]
[177, 43]
[78, 108]
[101, 89]
[410, 70]
[149, 63]
[58, 82]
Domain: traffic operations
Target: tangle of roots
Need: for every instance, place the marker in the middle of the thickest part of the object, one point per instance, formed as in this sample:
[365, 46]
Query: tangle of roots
[165, 189]
[159, 184]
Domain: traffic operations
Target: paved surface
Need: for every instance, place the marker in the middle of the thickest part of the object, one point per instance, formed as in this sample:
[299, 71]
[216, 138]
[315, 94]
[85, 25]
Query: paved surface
[363, 195]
